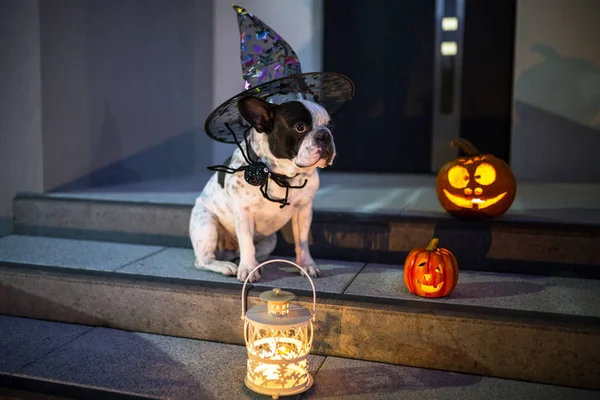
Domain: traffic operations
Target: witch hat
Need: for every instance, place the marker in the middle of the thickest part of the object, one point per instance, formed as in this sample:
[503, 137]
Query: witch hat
[271, 70]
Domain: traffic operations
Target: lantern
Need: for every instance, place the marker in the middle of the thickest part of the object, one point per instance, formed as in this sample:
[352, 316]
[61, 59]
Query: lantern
[278, 338]
[475, 186]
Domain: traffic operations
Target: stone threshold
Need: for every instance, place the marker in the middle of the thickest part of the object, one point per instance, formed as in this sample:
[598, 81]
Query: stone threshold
[549, 247]
[78, 361]
[508, 343]
[491, 292]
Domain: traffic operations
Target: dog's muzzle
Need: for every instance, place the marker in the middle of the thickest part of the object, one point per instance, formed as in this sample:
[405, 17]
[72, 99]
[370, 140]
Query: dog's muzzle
[324, 140]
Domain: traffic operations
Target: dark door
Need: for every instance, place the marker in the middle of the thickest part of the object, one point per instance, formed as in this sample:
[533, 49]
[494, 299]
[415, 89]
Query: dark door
[386, 48]
[487, 75]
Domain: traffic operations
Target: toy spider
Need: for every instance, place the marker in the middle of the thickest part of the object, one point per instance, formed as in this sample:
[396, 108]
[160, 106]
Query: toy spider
[256, 173]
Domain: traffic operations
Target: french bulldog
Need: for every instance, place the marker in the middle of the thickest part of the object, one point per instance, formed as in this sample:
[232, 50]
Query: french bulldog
[232, 219]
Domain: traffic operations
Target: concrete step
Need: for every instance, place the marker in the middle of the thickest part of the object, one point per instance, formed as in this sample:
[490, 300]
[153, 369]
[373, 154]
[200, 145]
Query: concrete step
[78, 361]
[525, 327]
[348, 224]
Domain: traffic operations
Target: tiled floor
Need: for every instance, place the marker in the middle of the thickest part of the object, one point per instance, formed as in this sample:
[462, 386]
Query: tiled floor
[77, 254]
[486, 289]
[567, 296]
[20, 345]
[179, 263]
[175, 368]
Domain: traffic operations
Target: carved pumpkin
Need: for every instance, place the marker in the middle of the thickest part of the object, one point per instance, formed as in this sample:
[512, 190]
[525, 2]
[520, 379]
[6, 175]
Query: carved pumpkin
[431, 271]
[476, 186]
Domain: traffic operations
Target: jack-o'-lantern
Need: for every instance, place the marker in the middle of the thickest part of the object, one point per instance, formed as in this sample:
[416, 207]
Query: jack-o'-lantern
[431, 271]
[475, 186]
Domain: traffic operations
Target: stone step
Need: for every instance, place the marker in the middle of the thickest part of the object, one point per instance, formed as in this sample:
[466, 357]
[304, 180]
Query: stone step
[78, 361]
[516, 243]
[524, 327]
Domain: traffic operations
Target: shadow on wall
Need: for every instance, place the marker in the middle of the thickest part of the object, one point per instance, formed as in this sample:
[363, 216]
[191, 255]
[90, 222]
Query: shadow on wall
[124, 85]
[110, 143]
[557, 112]
[566, 86]
[552, 148]
[172, 158]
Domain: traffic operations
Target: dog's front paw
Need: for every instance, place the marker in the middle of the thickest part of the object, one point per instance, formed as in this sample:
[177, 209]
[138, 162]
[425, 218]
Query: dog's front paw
[223, 267]
[312, 271]
[308, 265]
[245, 269]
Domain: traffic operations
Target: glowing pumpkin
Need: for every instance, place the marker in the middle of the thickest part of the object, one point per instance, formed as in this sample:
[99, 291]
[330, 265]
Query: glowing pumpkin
[431, 271]
[476, 186]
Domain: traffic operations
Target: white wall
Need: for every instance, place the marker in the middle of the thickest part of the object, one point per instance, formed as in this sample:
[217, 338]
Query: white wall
[299, 22]
[21, 164]
[556, 127]
[125, 84]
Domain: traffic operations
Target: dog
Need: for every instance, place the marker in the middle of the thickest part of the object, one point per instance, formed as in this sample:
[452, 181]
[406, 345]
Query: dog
[232, 219]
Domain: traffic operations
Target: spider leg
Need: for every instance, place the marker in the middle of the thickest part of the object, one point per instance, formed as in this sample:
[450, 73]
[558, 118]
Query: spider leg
[297, 187]
[237, 142]
[267, 189]
[226, 169]
[248, 148]
[264, 189]
[284, 184]
[280, 182]
[285, 200]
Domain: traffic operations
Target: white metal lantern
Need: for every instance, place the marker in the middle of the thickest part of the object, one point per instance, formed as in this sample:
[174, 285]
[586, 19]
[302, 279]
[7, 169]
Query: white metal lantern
[278, 339]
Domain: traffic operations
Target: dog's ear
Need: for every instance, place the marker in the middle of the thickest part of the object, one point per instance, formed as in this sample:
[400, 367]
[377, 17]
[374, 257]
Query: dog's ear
[257, 112]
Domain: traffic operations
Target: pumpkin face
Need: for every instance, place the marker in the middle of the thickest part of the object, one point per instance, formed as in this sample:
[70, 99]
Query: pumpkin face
[476, 186]
[431, 271]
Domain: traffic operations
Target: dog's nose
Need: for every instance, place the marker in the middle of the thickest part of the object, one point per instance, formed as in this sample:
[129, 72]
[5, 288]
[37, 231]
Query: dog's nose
[322, 136]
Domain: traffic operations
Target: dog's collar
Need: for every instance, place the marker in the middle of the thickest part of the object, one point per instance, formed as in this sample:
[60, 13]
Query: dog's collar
[257, 173]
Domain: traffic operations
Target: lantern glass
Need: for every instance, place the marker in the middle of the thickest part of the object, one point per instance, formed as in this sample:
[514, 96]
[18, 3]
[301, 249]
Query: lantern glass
[278, 338]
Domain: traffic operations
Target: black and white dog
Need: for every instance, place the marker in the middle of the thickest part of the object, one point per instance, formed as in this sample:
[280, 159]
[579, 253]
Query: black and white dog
[233, 219]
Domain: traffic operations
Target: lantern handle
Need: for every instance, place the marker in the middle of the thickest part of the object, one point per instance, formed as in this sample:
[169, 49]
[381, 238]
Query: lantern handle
[282, 261]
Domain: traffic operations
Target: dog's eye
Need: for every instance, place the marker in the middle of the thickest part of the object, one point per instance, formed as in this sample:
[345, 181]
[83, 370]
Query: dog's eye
[300, 127]
[330, 126]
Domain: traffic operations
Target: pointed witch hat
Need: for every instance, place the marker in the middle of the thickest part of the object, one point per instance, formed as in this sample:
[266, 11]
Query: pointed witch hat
[271, 70]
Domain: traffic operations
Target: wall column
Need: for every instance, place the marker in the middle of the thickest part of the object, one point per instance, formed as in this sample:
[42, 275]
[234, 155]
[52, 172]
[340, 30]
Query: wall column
[21, 162]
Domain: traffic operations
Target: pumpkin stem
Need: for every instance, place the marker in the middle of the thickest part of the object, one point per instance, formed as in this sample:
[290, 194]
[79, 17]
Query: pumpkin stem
[433, 245]
[465, 146]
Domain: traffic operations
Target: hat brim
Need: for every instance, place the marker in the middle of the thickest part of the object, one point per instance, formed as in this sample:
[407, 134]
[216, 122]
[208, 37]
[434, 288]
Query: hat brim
[330, 90]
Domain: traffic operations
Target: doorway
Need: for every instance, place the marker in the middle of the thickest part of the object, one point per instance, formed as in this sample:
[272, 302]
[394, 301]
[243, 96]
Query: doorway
[386, 48]
[392, 53]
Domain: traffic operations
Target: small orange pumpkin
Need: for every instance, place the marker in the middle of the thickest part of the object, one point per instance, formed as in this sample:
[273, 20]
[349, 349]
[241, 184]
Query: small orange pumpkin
[431, 271]
[476, 186]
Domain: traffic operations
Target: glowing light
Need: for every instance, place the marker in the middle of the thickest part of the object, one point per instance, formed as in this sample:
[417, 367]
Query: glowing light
[470, 203]
[449, 48]
[449, 23]
[431, 288]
